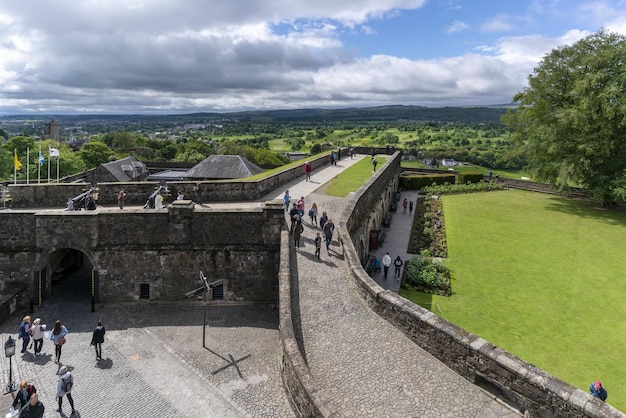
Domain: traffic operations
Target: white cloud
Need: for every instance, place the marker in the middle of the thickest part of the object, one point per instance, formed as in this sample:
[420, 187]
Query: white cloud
[189, 55]
[498, 23]
[457, 26]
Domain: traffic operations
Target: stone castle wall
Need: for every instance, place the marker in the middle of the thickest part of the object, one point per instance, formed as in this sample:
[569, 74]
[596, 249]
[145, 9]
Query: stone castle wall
[163, 249]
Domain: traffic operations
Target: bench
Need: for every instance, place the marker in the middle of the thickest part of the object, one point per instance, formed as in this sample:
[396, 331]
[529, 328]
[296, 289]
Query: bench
[387, 220]
[382, 235]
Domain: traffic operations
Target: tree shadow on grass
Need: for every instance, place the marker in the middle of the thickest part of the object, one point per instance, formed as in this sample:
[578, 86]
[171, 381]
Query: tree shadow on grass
[615, 216]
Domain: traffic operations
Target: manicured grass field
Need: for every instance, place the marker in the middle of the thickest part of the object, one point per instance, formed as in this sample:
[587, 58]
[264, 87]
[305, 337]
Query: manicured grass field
[351, 179]
[544, 278]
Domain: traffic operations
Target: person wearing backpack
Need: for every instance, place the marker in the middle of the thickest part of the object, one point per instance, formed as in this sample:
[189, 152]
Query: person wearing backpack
[24, 394]
[64, 388]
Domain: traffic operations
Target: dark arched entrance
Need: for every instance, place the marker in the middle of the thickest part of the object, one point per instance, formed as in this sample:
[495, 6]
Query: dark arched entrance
[69, 275]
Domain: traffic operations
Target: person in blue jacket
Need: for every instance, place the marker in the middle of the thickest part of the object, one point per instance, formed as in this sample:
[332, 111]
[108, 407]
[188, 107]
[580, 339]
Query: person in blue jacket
[58, 338]
[597, 391]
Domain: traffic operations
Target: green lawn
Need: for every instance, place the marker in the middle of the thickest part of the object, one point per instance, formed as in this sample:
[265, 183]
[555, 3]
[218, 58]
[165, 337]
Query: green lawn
[351, 179]
[542, 277]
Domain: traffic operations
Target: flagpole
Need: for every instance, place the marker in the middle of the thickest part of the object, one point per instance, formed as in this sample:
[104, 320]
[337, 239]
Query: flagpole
[39, 167]
[58, 168]
[48, 163]
[27, 165]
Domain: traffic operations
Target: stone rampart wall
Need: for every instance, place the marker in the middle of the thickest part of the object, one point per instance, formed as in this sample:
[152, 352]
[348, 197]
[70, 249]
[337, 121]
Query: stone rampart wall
[304, 391]
[165, 249]
[44, 195]
[372, 203]
[137, 193]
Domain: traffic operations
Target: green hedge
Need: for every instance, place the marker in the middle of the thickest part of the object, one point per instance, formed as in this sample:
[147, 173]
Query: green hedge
[417, 182]
[470, 177]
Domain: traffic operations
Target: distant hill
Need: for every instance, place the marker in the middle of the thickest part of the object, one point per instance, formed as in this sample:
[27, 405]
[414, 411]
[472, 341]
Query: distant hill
[356, 116]
[378, 114]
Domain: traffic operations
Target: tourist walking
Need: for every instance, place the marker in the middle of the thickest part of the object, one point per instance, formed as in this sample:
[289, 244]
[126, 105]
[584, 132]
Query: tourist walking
[318, 245]
[33, 409]
[308, 169]
[121, 196]
[286, 200]
[58, 338]
[294, 216]
[97, 339]
[300, 205]
[23, 394]
[297, 233]
[374, 163]
[24, 332]
[323, 220]
[328, 229]
[386, 264]
[65, 385]
[38, 334]
[405, 203]
[411, 207]
[313, 214]
[398, 264]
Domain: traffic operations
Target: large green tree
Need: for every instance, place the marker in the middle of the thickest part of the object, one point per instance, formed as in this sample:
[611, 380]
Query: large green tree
[94, 153]
[572, 117]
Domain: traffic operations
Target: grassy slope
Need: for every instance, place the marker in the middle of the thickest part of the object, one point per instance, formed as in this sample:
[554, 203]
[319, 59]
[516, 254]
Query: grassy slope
[543, 277]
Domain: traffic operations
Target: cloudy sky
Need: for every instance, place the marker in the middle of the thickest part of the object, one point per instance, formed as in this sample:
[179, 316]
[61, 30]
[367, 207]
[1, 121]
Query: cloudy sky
[182, 56]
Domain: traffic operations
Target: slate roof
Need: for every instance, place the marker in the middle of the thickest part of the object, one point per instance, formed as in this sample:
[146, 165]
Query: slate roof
[167, 175]
[127, 169]
[223, 167]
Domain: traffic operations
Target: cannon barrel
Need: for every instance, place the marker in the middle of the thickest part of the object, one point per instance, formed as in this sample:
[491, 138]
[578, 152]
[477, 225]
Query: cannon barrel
[81, 196]
[153, 195]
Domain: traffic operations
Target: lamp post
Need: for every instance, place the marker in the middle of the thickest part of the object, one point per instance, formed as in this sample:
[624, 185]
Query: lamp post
[9, 351]
[207, 287]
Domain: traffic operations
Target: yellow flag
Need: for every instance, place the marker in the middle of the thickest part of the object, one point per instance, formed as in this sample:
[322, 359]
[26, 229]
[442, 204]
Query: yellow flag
[16, 162]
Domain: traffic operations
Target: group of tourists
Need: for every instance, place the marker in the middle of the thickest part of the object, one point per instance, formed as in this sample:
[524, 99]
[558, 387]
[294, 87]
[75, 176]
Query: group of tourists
[397, 263]
[296, 219]
[26, 402]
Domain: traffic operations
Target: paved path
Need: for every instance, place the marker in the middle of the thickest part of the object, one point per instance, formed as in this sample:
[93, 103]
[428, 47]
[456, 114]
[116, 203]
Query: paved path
[155, 364]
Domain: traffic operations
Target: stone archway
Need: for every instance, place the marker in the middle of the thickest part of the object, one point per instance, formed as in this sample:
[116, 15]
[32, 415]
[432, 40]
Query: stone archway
[68, 274]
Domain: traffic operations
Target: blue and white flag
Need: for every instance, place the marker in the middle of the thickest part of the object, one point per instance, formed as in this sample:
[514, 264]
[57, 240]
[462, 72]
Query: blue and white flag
[42, 160]
[54, 152]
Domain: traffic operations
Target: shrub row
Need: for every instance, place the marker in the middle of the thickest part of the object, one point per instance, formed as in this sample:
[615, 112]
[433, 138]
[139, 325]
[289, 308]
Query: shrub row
[416, 182]
[469, 177]
[463, 188]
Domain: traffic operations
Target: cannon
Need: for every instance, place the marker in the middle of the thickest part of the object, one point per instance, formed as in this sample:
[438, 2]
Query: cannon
[85, 200]
[150, 202]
